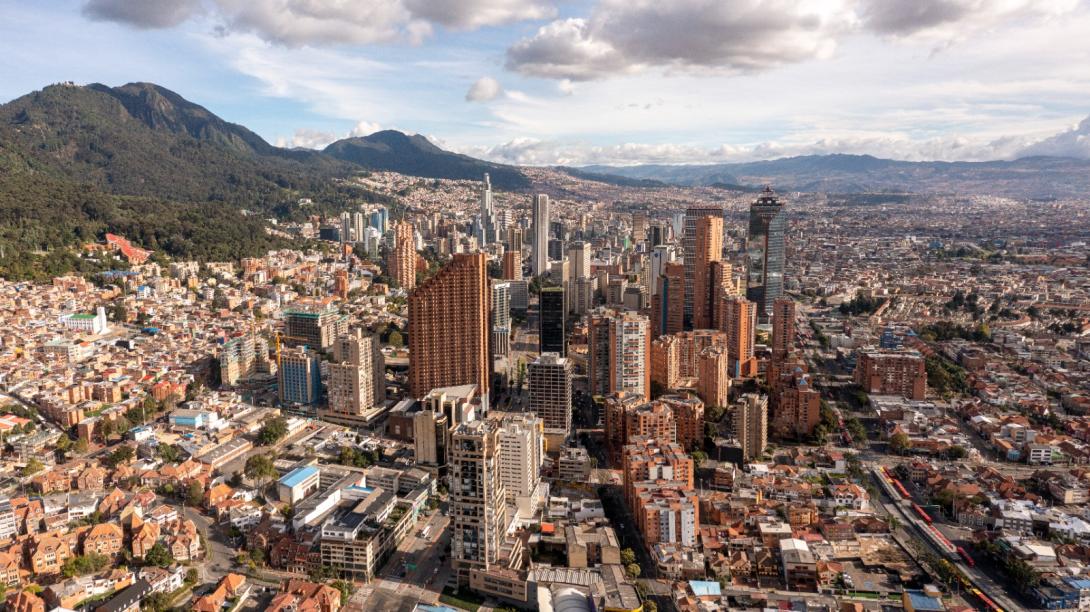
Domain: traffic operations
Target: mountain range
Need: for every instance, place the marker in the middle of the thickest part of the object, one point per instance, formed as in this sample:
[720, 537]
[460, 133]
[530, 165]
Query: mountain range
[1043, 177]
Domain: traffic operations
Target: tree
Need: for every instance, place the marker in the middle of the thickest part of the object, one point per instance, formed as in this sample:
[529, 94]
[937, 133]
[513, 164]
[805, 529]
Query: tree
[64, 443]
[159, 556]
[156, 602]
[345, 588]
[260, 468]
[119, 456]
[633, 570]
[650, 606]
[84, 564]
[699, 457]
[900, 443]
[80, 446]
[957, 452]
[272, 431]
[628, 556]
[32, 467]
[192, 575]
[194, 493]
[396, 340]
[168, 452]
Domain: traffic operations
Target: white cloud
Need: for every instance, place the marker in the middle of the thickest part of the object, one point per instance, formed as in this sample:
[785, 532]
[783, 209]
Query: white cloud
[484, 89]
[305, 138]
[296, 23]
[953, 20]
[364, 128]
[1074, 142]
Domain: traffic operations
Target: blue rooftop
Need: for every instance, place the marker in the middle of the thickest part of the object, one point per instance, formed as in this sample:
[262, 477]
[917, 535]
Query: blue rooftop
[704, 588]
[923, 603]
[298, 475]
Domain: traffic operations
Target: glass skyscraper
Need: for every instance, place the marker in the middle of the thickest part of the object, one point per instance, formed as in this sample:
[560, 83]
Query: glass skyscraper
[765, 252]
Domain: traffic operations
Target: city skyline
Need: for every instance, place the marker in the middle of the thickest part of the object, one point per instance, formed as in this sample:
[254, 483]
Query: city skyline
[535, 82]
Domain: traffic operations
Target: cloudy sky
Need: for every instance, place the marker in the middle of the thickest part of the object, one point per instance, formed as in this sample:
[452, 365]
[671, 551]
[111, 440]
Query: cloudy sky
[594, 81]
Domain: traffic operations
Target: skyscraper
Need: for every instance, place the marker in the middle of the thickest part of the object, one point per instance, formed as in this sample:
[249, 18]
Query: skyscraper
[765, 252]
[708, 245]
[489, 223]
[550, 395]
[299, 377]
[501, 318]
[579, 256]
[668, 304]
[739, 318]
[449, 327]
[553, 321]
[540, 229]
[401, 261]
[750, 419]
[783, 328]
[512, 265]
[618, 353]
[522, 452]
[692, 215]
[357, 378]
[313, 322]
[477, 496]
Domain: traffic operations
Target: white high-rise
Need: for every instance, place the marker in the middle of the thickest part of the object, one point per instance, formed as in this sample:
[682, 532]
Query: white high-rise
[488, 225]
[522, 452]
[540, 229]
[550, 394]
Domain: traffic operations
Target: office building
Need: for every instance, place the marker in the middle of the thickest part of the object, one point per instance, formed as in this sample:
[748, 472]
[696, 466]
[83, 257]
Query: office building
[521, 455]
[550, 377]
[501, 318]
[514, 239]
[692, 216]
[892, 372]
[668, 303]
[357, 378]
[401, 260]
[431, 438]
[749, 418]
[739, 317]
[299, 378]
[489, 225]
[579, 258]
[540, 235]
[379, 219]
[765, 252]
[708, 244]
[313, 322]
[581, 299]
[553, 321]
[659, 257]
[477, 496]
[512, 265]
[449, 328]
[783, 328]
[619, 346]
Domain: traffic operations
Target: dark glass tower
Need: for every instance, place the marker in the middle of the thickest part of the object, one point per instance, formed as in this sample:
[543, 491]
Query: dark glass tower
[553, 324]
[765, 252]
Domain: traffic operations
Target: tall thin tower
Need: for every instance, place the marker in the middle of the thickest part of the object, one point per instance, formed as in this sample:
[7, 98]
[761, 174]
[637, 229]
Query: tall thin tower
[689, 243]
[540, 229]
[765, 253]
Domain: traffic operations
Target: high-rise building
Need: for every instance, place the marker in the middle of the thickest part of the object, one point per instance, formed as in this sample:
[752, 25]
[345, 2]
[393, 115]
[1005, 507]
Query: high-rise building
[522, 452]
[553, 321]
[688, 414]
[449, 328]
[313, 322]
[676, 357]
[357, 378]
[619, 348]
[692, 216]
[749, 418]
[798, 406]
[658, 489]
[739, 320]
[765, 252]
[550, 396]
[379, 219]
[656, 267]
[431, 438]
[540, 229]
[579, 257]
[299, 379]
[668, 303]
[501, 318]
[783, 328]
[477, 498]
[401, 261]
[514, 239]
[892, 372]
[713, 376]
[627, 416]
[708, 244]
[512, 265]
[237, 359]
[489, 224]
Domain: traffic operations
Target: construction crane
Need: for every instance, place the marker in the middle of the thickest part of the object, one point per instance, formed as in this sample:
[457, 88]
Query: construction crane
[277, 336]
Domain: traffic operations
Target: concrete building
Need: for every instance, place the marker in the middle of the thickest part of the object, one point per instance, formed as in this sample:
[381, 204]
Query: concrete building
[765, 246]
[449, 328]
[618, 350]
[739, 319]
[299, 377]
[431, 438]
[401, 259]
[477, 495]
[552, 332]
[783, 328]
[550, 378]
[668, 302]
[299, 483]
[540, 232]
[892, 372]
[313, 322]
[749, 419]
[501, 318]
[713, 379]
[708, 243]
[521, 455]
[357, 378]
